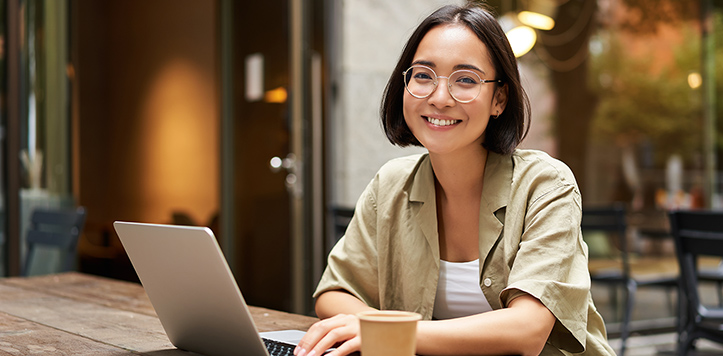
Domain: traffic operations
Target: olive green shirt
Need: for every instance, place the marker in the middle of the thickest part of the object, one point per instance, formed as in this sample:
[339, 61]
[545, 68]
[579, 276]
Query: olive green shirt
[529, 242]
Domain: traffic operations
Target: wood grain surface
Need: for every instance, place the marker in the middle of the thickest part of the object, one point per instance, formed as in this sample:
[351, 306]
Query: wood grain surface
[80, 314]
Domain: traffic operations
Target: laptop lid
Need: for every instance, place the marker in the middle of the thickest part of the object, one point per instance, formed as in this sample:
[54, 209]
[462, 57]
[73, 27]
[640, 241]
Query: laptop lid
[191, 288]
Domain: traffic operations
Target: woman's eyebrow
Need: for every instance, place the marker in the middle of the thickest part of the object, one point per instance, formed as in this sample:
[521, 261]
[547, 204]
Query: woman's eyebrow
[424, 63]
[456, 67]
[469, 67]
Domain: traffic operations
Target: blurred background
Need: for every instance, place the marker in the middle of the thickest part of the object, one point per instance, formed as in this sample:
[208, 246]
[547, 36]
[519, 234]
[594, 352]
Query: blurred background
[259, 119]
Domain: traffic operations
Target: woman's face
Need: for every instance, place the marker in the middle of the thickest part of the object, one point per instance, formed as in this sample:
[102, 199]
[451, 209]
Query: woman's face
[438, 121]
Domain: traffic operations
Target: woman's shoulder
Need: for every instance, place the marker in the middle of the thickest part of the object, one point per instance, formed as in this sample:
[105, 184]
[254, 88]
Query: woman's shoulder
[400, 174]
[535, 163]
[400, 167]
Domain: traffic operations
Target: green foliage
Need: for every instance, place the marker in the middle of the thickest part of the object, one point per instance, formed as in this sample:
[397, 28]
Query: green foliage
[642, 102]
[648, 14]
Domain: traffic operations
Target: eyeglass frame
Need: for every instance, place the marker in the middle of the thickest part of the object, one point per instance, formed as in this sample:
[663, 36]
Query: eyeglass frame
[449, 84]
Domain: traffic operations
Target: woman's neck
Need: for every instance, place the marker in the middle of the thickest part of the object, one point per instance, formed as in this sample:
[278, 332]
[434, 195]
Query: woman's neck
[460, 175]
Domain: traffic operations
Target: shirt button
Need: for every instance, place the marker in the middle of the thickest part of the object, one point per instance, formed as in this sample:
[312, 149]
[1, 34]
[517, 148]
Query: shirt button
[487, 282]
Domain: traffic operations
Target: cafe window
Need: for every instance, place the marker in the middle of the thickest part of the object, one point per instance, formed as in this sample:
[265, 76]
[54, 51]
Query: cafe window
[45, 111]
[624, 92]
[42, 108]
[650, 123]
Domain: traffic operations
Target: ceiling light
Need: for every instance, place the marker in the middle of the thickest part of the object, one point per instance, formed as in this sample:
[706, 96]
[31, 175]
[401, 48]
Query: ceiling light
[539, 14]
[536, 20]
[522, 39]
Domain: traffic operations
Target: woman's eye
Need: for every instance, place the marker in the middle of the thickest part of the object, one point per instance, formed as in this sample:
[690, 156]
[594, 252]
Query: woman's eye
[422, 76]
[466, 80]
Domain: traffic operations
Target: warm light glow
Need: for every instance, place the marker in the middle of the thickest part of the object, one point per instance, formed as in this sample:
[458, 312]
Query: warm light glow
[176, 142]
[536, 20]
[277, 95]
[522, 39]
[695, 80]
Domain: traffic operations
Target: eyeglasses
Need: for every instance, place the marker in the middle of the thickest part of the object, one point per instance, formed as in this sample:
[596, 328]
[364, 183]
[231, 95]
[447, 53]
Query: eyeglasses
[463, 85]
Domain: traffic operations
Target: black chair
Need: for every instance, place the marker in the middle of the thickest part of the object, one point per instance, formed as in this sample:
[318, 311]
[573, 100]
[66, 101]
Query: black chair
[58, 229]
[612, 221]
[342, 216]
[696, 233]
[337, 222]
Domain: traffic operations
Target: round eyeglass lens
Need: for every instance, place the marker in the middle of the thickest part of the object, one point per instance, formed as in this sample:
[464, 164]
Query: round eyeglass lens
[464, 85]
[420, 81]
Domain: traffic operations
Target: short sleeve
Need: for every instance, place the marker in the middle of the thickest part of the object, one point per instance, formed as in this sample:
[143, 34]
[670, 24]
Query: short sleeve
[551, 264]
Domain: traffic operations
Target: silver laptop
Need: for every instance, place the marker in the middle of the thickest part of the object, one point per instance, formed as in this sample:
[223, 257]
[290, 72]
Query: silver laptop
[193, 290]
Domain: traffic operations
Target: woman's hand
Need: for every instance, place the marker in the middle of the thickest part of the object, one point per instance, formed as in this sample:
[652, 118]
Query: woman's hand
[341, 330]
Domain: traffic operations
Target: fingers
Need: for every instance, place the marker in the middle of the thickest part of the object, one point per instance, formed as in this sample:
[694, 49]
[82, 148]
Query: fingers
[317, 331]
[351, 345]
[324, 334]
[341, 335]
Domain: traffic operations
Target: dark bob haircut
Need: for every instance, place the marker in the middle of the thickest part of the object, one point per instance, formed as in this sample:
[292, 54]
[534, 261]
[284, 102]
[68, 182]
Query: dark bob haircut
[504, 133]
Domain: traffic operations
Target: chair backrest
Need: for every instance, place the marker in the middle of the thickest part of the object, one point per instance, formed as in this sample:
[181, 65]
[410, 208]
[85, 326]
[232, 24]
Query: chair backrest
[339, 220]
[696, 233]
[55, 228]
[609, 219]
[342, 216]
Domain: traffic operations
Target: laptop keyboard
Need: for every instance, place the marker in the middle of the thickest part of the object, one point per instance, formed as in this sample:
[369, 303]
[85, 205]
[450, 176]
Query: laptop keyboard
[277, 348]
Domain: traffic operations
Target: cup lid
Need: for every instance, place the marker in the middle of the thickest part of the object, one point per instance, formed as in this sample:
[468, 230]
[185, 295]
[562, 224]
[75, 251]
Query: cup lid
[389, 315]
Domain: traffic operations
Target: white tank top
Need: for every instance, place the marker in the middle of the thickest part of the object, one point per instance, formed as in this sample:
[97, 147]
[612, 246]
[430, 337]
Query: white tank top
[458, 291]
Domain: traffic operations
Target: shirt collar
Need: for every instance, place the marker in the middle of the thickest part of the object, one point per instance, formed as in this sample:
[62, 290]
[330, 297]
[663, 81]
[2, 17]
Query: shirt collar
[497, 180]
[422, 189]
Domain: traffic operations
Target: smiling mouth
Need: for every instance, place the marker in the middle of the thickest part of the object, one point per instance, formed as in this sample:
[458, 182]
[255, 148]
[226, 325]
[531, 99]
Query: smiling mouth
[439, 122]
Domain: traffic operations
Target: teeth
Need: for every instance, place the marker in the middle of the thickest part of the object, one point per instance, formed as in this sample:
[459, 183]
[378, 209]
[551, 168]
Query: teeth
[439, 122]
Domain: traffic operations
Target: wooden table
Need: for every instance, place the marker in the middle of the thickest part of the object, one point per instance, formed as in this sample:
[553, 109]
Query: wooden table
[80, 314]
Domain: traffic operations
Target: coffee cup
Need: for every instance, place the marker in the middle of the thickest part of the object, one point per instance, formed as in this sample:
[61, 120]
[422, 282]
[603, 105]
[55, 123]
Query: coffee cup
[388, 332]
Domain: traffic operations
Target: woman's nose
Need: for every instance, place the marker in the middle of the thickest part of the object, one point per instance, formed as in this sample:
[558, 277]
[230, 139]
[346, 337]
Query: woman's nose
[441, 97]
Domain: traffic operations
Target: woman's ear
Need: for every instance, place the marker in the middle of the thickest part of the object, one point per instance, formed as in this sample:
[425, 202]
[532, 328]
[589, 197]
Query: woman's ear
[499, 102]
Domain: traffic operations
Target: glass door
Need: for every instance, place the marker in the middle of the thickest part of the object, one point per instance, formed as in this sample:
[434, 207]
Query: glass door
[261, 130]
[272, 149]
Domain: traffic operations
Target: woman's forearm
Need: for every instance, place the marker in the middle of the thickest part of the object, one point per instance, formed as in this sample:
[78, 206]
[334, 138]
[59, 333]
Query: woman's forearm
[336, 302]
[521, 329]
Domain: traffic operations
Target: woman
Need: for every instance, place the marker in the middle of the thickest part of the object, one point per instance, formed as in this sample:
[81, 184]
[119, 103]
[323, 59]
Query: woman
[481, 239]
